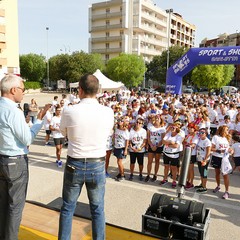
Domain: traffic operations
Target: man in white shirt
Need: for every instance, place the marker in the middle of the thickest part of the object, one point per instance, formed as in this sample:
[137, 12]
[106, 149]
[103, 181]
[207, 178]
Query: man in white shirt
[87, 126]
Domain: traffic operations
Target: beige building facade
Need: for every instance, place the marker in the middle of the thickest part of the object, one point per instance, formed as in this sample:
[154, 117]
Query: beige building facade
[136, 27]
[9, 40]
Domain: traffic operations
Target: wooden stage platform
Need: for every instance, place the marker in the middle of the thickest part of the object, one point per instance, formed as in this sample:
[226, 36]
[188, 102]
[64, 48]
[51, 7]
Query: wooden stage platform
[41, 223]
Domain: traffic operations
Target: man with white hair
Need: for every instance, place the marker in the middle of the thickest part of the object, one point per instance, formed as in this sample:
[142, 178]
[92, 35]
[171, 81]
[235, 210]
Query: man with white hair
[15, 136]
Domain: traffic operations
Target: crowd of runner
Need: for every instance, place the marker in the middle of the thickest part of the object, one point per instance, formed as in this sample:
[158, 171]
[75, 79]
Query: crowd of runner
[159, 126]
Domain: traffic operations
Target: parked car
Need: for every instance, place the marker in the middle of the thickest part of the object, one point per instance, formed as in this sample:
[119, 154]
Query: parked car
[188, 89]
[229, 89]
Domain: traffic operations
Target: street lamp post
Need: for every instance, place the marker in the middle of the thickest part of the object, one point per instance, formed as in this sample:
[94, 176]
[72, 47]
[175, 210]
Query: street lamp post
[47, 28]
[169, 11]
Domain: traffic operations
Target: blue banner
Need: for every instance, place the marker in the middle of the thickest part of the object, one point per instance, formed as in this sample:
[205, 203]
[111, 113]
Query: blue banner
[198, 56]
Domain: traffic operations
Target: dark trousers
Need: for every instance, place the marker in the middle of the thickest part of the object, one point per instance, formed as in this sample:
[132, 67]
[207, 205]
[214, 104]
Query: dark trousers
[13, 189]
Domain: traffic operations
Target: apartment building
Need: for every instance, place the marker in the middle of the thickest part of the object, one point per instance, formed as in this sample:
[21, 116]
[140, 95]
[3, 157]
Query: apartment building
[225, 40]
[9, 43]
[136, 27]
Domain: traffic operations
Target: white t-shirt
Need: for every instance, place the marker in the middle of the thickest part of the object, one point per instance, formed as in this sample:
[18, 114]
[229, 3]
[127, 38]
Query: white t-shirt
[213, 116]
[202, 148]
[156, 134]
[120, 137]
[137, 138]
[46, 120]
[192, 140]
[55, 123]
[109, 145]
[87, 126]
[221, 143]
[169, 151]
[236, 149]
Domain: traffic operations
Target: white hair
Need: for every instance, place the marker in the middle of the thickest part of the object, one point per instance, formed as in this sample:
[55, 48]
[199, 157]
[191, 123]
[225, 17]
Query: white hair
[10, 81]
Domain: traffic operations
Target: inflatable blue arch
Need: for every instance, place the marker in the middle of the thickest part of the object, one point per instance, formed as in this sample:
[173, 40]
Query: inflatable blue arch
[199, 56]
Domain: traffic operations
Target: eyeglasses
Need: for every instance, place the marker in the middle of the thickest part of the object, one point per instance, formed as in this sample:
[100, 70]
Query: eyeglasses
[140, 123]
[23, 89]
[201, 133]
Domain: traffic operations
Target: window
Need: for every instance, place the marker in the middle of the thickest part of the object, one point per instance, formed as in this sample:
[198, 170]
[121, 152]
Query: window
[107, 10]
[106, 56]
[121, 32]
[107, 22]
[107, 34]
[107, 45]
[120, 44]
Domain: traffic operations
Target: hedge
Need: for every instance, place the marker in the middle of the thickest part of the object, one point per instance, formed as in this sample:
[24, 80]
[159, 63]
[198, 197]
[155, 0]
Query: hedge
[32, 85]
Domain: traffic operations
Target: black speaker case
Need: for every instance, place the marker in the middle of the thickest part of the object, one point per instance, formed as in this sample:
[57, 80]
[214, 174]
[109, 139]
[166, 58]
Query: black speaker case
[160, 228]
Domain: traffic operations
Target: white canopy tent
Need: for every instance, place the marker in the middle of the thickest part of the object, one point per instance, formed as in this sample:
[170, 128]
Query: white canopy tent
[106, 84]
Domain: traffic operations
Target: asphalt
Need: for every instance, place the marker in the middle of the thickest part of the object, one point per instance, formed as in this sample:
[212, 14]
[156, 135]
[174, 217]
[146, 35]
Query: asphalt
[127, 201]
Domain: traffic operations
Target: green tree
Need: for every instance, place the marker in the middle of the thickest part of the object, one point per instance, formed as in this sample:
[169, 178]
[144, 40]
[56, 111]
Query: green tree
[157, 68]
[59, 66]
[126, 68]
[72, 67]
[212, 76]
[33, 67]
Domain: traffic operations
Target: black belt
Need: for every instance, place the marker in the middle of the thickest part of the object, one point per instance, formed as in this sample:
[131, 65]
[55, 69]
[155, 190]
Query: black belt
[17, 156]
[101, 159]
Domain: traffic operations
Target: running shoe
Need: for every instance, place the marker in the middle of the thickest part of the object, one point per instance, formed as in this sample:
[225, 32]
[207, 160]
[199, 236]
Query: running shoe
[225, 195]
[201, 190]
[59, 163]
[163, 182]
[140, 177]
[154, 179]
[198, 186]
[189, 185]
[107, 175]
[174, 184]
[48, 144]
[217, 189]
[147, 178]
[130, 177]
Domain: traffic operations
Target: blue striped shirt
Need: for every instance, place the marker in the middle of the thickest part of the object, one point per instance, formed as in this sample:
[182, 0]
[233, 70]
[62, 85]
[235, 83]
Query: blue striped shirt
[15, 134]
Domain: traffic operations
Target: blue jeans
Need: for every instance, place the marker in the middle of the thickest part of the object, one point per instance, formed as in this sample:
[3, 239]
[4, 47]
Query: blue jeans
[75, 175]
[13, 190]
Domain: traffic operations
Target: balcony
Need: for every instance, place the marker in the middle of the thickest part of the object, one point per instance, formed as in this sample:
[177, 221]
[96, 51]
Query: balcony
[2, 38]
[150, 29]
[106, 50]
[3, 45]
[3, 61]
[155, 42]
[2, 12]
[2, 29]
[106, 39]
[153, 19]
[105, 27]
[106, 15]
[106, 4]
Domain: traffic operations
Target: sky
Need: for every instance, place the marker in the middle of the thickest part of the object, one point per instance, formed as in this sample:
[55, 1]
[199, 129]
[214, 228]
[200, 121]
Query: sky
[67, 22]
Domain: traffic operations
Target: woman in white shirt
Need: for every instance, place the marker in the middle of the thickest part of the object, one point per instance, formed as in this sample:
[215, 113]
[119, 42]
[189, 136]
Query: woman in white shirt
[155, 134]
[137, 143]
[203, 158]
[58, 138]
[172, 143]
[121, 142]
[220, 144]
[191, 140]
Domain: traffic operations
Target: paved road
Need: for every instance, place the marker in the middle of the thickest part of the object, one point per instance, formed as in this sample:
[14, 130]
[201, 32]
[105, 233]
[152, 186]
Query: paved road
[126, 201]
